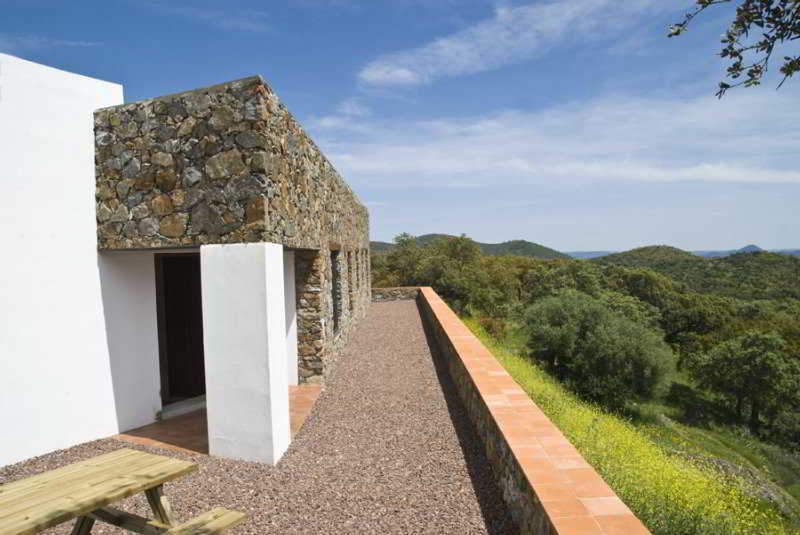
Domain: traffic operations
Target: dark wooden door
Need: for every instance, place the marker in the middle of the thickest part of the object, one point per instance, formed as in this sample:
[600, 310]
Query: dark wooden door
[180, 327]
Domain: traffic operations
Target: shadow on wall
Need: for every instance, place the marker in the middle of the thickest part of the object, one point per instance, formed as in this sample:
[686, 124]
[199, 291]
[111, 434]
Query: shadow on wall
[128, 288]
[498, 519]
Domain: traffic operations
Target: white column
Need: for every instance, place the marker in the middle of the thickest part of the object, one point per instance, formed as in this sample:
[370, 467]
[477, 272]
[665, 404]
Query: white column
[244, 332]
[291, 316]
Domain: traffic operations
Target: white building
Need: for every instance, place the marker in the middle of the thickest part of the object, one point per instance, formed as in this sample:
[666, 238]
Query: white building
[90, 304]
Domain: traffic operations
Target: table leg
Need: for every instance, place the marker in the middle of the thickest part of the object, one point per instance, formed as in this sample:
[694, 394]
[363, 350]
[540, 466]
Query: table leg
[83, 526]
[160, 505]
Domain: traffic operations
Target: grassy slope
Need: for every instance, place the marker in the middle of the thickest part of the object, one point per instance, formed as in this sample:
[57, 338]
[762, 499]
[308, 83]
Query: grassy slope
[668, 492]
[513, 248]
[758, 275]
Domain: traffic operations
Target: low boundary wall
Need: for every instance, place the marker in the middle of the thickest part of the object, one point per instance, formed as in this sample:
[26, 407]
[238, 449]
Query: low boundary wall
[403, 293]
[547, 485]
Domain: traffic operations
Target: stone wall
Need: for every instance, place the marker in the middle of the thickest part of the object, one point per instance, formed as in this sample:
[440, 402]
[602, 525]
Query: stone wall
[229, 164]
[547, 485]
[394, 294]
[319, 341]
[309, 270]
[223, 164]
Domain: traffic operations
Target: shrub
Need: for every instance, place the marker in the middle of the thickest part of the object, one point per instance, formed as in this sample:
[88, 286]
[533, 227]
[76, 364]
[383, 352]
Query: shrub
[497, 328]
[602, 356]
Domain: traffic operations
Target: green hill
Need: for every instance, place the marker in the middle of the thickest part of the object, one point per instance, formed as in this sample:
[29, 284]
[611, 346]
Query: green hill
[755, 275]
[513, 247]
[649, 256]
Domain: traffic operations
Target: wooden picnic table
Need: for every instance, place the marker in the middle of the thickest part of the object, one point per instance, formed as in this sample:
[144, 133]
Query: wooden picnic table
[86, 490]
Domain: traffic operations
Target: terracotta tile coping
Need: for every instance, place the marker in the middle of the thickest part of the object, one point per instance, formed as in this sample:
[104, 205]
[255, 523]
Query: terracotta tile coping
[575, 498]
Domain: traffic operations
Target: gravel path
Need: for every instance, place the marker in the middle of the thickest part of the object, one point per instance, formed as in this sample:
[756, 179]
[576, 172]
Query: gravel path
[386, 449]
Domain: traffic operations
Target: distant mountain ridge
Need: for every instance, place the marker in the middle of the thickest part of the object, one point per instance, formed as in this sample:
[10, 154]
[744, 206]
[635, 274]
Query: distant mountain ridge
[512, 247]
[717, 254]
[747, 275]
[588, 255]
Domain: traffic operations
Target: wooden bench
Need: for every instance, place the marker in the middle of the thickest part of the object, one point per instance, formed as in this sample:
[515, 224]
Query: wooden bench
[86, 490]
[214, 521]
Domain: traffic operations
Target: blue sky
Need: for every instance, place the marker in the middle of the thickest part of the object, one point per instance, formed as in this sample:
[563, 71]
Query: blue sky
[572, 123]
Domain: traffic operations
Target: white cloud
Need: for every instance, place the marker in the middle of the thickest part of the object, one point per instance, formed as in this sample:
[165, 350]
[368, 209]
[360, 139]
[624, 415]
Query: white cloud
[511, 35]
[247, 20]
[33, 42]
[603, 140]
[353, 107]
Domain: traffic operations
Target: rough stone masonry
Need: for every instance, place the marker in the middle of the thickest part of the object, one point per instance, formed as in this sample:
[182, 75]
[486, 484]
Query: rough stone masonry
[229, 164]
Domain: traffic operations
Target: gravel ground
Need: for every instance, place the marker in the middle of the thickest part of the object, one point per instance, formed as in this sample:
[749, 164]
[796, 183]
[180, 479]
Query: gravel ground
[386, 449]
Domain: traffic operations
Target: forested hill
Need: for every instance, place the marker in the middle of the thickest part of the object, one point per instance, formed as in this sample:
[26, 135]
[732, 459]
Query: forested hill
[650, 256]
[756, 275]
[513, 247]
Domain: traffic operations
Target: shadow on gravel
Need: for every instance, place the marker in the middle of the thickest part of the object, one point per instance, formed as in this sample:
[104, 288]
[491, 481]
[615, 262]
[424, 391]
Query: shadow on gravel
[495, 514]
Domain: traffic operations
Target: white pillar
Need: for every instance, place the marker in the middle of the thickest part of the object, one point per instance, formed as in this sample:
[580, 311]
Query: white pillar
[244, 332]
[291, 316]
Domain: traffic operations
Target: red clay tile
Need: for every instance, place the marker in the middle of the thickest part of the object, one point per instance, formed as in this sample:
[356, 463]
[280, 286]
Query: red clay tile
[610, 505]
[517, 431]
[577, 525]
[570, 463]
[516, 442]
[551, 492]
[582, 475]
[564, 508]
[188, 433]
[592, 489]
[622, 525]
[539, 477]
[560, 450]
[555, 441]
[528, 452]
[542, 429]
[537, 463]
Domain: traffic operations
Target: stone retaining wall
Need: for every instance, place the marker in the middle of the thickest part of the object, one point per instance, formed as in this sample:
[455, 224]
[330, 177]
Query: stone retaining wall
[394, 294]
[548, 486]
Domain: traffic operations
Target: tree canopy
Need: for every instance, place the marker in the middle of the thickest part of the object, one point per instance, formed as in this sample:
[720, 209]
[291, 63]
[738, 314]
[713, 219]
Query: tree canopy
[758, 28]
[601, 355]
[755, 368]
[611, 331]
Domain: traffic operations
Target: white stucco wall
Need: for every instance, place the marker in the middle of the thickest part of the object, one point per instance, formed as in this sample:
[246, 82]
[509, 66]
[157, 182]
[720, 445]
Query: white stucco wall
[244, 337]
[55, 376]
[291, 316]
[129, 300]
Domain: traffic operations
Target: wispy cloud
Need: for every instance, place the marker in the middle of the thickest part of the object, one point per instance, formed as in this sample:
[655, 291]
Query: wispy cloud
[511, 35]
[247, 20]
[353, 107]
[610, 139]
[10, 43]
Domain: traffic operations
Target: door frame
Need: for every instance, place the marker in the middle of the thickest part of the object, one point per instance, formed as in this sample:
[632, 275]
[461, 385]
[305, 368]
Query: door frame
[163, 361]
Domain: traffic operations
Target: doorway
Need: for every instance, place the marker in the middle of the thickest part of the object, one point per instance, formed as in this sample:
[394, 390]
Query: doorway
[180, 327]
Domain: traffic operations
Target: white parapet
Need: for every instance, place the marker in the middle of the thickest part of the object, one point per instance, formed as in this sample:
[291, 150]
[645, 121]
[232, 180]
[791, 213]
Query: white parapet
[244, 331]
